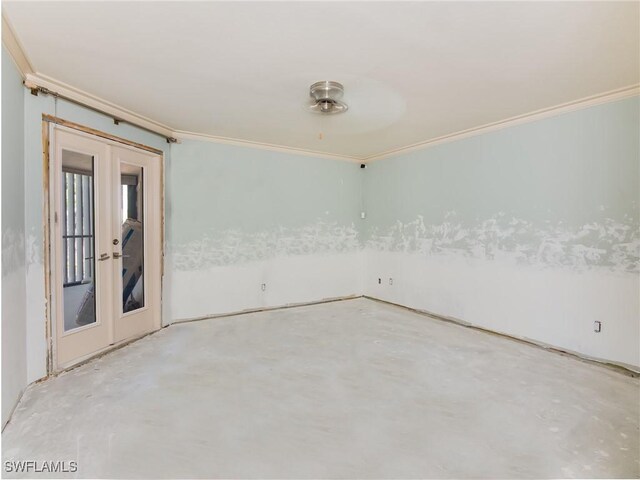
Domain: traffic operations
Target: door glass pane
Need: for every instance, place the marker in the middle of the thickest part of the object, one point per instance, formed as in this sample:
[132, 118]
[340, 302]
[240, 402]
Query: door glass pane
[132, 240]
[78, 245]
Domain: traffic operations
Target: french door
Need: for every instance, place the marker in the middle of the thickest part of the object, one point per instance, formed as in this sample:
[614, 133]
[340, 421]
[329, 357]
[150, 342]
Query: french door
[106, 244]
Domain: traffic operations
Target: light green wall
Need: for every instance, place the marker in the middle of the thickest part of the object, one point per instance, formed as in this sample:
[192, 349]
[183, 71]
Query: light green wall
[232, 204]
[531, 230]
[12, 166]
[14, 345]
[563, 190]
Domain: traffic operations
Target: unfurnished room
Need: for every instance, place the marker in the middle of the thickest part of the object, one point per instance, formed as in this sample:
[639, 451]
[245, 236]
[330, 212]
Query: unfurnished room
[341, 240]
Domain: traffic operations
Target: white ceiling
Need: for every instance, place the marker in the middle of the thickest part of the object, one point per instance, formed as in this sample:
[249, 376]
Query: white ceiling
[412, 71]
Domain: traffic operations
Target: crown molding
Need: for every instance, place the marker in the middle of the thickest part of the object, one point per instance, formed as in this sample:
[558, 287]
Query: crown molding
[185, 135]
[93, 101]
[17, 53]
[127, 115]
[611, 96]
[13, 46]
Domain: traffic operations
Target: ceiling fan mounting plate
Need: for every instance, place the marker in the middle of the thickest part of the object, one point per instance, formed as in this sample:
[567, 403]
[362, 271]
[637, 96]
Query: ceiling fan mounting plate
[327, 96]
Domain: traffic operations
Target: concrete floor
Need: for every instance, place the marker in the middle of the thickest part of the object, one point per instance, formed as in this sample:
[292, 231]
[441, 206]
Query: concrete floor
[340, 390]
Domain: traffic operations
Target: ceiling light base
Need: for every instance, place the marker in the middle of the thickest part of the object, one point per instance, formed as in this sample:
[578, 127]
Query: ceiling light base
[326, 96]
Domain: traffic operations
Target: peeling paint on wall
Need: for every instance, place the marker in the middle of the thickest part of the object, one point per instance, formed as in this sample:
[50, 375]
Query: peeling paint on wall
[533, 230]
[34, 248]
[250, 228]
[233, 246]
[609, 243]
[12, 250]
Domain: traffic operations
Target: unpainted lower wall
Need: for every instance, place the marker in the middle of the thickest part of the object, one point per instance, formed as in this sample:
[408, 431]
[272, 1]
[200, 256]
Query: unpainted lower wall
[532, 231]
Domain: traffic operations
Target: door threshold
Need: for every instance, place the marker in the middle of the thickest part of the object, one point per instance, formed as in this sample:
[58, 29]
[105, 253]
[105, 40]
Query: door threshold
[92, 356]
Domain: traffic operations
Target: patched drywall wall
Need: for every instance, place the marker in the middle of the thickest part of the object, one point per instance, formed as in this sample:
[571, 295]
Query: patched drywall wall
[532, 230]
[14, 336]
[254, 228]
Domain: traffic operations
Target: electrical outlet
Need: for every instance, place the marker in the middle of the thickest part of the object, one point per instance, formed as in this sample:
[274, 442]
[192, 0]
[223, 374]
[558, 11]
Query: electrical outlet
[263, 287]
[379, 281]
[597, 326]
[390, 281]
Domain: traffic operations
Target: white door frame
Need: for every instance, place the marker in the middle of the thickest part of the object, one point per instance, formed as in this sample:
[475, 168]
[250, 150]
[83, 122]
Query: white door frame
[51, 240]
